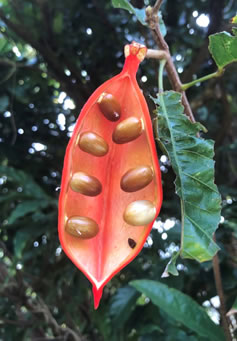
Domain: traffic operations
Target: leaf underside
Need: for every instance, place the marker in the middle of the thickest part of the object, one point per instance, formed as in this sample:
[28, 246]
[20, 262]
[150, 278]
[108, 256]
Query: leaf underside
[192, 161]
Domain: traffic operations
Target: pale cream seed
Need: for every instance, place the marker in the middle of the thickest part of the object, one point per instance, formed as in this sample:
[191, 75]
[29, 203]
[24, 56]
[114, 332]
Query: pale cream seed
[139, 213]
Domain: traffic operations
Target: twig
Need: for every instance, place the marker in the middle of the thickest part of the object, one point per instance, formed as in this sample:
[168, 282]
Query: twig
[37, 307]
[216, 74]
[153, 22]
[220, 292]
[156, 7]
[157, 54]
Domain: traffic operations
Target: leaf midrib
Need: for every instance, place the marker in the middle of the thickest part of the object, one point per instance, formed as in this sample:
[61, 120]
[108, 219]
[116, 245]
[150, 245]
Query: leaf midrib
[178, 166]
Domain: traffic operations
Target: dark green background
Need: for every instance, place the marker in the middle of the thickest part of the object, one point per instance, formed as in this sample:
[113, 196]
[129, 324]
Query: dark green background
[43, 295]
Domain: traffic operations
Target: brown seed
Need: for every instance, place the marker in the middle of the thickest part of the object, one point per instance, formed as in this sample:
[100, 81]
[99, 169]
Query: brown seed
[82, 227]
[127, 130]
[136, 178]
[85, 184]
[138, 213]
[109, 107]
[131, 243]
[93, 144]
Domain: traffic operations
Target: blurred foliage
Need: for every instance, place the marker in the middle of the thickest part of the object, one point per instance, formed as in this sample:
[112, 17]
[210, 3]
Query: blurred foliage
[53, 54]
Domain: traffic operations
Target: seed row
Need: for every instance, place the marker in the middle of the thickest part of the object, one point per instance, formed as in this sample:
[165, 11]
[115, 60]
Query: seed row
[137, 213]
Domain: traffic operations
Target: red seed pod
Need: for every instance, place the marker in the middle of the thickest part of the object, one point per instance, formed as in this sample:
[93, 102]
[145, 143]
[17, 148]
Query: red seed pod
[111, 185]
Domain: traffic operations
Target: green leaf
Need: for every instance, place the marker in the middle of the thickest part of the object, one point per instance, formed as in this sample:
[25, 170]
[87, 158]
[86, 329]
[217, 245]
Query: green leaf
[223, 47]
[149, 328]
[234, 20]
[125, 4]
[25, 181]
[25, 208]
[234, 30]
[26, 235]
[192, 160]
[180, 307]
[122, 305]
[171, 266]
[139, 13]
[162, 24]
[58, 23]
[7, 69]
[4, 102]
[235, 304]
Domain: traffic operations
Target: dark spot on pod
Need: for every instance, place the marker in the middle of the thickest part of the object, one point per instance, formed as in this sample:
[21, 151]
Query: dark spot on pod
[109, 106]
[131, 243]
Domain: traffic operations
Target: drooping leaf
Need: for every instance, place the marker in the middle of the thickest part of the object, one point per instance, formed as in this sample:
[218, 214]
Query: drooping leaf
[171, 266]
[125, 4]
[192, 160]
[180, 307]
[223, 47]
[122, 305]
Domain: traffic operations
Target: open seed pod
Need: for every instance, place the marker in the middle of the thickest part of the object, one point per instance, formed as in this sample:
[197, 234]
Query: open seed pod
[111, 185]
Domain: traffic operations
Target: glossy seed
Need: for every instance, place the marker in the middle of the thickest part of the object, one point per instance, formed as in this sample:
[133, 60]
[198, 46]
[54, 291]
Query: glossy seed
[82, 227]
[136, 178]
[85, 184]
[127, 130]
[131, 243]
[93, 144]
[138, 213]
[109, 107]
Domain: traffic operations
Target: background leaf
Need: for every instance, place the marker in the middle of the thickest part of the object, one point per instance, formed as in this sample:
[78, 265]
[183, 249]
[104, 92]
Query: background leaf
[122, 305]
[27, 207]
[28, 186]
[125, 4]
[192, 160]
[139, 13]
[36, 92]
[58, 23]
[180, 307]
[4, 102]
